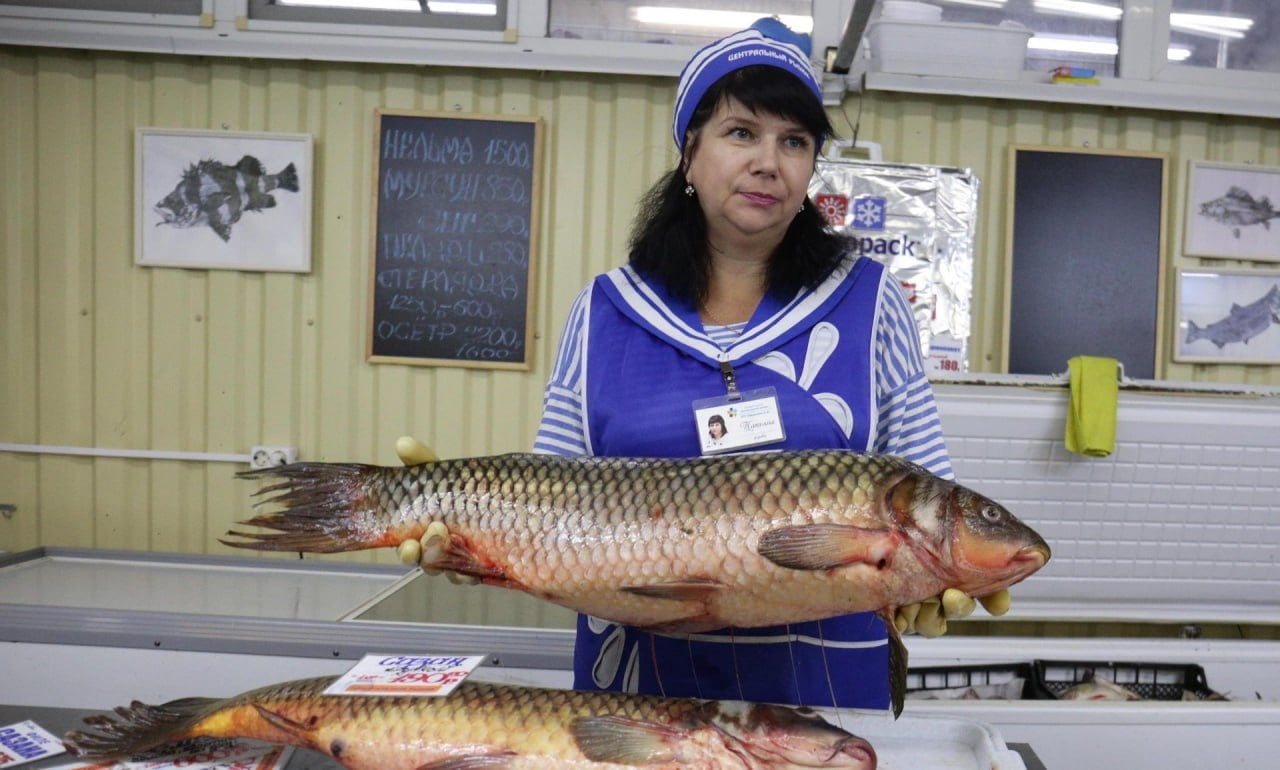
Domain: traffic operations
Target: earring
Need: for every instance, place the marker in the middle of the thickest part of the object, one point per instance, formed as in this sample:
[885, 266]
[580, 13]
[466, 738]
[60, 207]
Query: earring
[689, 191]
[801, 208]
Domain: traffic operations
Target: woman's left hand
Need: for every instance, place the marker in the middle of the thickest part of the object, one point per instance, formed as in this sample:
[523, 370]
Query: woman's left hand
[434, 543]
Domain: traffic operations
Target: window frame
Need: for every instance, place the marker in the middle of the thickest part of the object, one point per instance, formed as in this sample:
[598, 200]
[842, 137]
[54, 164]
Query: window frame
[226, 28]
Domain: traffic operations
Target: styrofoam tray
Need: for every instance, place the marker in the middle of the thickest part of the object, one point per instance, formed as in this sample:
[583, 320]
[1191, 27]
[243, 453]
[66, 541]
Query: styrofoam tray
[930, 742]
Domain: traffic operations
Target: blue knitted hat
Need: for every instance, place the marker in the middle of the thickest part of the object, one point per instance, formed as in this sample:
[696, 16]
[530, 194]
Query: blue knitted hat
[781, 48]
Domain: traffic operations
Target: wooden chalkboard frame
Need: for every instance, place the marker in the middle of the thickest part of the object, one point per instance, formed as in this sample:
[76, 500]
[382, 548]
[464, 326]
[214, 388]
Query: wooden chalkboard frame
[1085, 162]
[531, 240]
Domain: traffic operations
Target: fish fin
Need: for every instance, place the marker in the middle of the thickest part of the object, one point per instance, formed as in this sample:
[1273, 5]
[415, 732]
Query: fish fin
[827, 546]
[677, 590]
[284, 724]
[473, 762]
[221, 228]
[624, 741]
[897, 664]
[251, 165]
[458, 557]
[287, 179]
[138, 727]
[259, 201]
[320, 509]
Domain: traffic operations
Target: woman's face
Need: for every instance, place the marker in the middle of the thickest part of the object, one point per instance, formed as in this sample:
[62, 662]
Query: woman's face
[717, 430]
[751, 172]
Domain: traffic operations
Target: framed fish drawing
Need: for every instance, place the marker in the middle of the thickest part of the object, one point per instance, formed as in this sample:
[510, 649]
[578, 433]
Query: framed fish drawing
[1233, 211]
[1228, 316]
[229, 200]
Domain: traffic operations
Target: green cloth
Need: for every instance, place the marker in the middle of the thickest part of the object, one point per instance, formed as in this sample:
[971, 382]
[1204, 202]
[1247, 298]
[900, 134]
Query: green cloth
[1091, 417]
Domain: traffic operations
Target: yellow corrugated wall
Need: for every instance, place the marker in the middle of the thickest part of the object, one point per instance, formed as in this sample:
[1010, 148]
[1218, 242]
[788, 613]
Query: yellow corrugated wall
[100, 353]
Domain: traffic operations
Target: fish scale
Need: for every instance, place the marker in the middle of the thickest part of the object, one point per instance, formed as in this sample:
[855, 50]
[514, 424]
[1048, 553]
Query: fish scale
[533, 522]
[673, 546]
[513, 727]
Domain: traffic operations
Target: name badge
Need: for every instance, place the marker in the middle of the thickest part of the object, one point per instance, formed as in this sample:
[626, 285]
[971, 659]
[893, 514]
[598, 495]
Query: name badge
[728, 424]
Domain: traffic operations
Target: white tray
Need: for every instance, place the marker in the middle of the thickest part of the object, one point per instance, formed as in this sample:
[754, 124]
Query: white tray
[930, 741]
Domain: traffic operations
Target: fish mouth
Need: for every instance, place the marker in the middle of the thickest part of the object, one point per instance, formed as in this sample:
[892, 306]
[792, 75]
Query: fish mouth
[1035, 556]
[856, 748]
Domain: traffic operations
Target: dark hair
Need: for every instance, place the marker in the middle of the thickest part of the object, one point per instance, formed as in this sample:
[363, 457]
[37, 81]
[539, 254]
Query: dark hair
[668, 237]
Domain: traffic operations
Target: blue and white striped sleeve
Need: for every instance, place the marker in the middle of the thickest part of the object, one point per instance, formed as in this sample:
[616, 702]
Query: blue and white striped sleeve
[562, 430]
[907, 424]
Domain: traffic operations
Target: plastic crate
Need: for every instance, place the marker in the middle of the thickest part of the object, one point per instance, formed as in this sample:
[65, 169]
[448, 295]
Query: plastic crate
[1149, 681]
[927, 679]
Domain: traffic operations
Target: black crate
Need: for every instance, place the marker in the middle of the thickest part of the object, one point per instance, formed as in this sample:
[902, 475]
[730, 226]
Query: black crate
[926, 678]
[1149, 681]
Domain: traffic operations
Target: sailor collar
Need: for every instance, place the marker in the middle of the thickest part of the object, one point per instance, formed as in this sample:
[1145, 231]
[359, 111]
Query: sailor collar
[776, 320]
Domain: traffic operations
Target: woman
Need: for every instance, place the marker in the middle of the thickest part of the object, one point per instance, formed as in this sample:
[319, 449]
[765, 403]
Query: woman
[735, 294]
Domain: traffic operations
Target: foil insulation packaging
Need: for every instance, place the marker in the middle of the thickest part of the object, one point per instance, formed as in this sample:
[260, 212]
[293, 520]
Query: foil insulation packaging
[920, 221]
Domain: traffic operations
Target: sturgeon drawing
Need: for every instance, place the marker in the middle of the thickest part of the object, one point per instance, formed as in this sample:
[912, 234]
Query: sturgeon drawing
[1241, 324]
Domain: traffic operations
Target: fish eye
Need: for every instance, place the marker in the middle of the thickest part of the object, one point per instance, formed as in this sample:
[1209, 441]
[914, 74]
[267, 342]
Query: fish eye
[991, 513]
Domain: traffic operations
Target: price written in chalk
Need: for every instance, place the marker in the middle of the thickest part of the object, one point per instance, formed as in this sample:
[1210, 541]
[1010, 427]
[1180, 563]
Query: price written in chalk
[453, 250]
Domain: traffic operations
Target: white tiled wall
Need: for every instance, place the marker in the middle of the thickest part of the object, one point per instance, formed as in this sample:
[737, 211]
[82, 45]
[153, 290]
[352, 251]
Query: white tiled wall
[1181, 522]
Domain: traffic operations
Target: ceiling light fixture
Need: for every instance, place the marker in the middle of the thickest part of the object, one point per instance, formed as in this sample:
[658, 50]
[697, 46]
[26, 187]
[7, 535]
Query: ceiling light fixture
[666, 16]
[1078, 8]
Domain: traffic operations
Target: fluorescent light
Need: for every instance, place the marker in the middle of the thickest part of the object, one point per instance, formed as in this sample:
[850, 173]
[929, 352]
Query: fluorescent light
[364, 5]
[666, 16]
[1095, 46]
[467, 9]
[978, 3]
[1211, 24]
[1079, 8]
[411, 6]
[1179, 53]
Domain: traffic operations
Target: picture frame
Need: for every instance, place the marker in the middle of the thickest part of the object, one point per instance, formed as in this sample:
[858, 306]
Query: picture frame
[233, 200]
[1229, 211]
[1228, 316]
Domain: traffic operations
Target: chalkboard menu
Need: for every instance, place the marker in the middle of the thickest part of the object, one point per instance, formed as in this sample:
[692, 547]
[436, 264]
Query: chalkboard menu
[455, 213]
[1086, 259]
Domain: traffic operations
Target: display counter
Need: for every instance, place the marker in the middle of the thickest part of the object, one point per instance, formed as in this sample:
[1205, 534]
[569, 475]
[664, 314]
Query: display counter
[90, 630]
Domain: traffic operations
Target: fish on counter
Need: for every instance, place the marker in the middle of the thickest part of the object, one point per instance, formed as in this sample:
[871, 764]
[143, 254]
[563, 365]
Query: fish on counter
[1239, 209]
[490, 726]
[673, 546]
[1093, 686]
[215, 194]
[1242, 323]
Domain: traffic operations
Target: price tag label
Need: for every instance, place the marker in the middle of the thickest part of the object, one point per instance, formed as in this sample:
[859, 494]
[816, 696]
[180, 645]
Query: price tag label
[422, 675]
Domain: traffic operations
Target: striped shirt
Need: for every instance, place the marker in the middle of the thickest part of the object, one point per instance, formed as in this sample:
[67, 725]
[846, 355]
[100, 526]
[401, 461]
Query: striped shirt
[907, 422]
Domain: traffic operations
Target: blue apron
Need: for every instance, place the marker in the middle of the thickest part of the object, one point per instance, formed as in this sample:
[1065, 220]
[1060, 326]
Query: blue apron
[648, 360]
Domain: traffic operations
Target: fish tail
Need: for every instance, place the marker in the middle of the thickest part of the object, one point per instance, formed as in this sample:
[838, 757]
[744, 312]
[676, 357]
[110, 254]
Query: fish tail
[287, 179]
[138, 727]
[324, 508]
[1193, 331]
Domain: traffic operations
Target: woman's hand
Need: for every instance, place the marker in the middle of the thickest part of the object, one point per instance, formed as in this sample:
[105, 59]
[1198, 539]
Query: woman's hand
[434, 543]
[929, 617]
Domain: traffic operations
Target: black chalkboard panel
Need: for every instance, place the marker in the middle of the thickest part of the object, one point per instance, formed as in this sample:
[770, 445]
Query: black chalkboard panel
[455, 212]
[1086, 259]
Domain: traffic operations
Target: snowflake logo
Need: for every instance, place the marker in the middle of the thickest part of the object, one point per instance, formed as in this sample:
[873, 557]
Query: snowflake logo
[868, 213]
[833, 208]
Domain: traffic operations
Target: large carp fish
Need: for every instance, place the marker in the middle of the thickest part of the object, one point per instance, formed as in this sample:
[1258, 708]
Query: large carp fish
[673, 546]
[489, 726]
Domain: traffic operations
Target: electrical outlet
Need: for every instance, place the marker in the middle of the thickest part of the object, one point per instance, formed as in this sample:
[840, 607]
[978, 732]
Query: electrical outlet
[271, 456]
